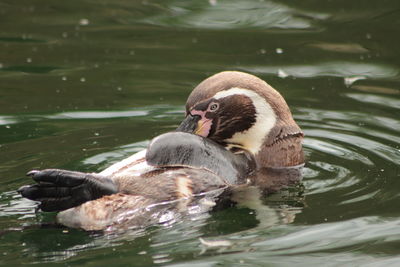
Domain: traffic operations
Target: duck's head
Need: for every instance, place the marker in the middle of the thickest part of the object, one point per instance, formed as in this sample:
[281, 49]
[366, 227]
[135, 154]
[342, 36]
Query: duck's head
[242, 112]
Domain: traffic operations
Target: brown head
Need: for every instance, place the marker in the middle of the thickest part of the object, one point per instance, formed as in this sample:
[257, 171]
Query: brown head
[242, 112]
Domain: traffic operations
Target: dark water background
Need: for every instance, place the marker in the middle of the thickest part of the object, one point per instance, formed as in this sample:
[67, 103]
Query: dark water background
[86, 83]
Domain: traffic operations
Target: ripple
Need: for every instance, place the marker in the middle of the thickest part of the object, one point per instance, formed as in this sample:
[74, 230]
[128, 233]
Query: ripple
[98, 114]
[108, 158]
[234, 15]
[334, 69]
[375, 99]
[340, 235]
[345, 151]
[337, 151]
[352, 48]
[12, 204]
[343, 129]
[156, 111]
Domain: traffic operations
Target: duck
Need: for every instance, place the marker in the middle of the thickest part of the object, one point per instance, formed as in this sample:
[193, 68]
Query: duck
[237, 130]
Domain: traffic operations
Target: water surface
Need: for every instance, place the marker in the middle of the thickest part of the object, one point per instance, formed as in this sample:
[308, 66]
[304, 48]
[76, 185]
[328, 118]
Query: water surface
[84, 84]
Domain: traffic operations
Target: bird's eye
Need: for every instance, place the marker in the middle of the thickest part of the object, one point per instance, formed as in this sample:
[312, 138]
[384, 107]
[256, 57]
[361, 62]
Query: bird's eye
[214, 107]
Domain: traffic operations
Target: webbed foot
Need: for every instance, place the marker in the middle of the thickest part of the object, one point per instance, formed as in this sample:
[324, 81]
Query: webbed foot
[58, 190]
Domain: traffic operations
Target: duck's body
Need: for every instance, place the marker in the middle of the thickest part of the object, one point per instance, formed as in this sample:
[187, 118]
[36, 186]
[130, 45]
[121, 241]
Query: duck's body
[242, 127]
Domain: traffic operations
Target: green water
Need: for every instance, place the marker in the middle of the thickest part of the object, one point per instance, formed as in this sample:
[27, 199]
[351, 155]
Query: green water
[84, 84]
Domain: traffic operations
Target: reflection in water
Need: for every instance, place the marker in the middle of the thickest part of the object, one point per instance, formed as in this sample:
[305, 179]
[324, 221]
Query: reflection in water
[374, 99]
[340, 47]
[234, 15]
[157, 112]
[335, 69]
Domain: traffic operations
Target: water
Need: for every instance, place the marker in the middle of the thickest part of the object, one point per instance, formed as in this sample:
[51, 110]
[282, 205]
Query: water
[84, 84]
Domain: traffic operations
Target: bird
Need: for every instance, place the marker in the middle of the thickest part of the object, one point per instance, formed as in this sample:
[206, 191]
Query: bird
[237, 129]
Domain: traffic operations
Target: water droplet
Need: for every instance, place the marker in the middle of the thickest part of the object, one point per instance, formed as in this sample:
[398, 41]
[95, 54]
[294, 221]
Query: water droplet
[64, 78]
[29, 60]
[263, 51]
[96, 134]
[119, 88]
[64, 34]
[83, 79]
[131, 52]
[368, 36]
[279, 50]
[1, 65]
[83, 22]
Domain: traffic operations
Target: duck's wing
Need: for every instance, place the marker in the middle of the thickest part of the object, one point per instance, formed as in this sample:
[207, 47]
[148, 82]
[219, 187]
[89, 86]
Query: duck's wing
[59, 190]
[179, 149]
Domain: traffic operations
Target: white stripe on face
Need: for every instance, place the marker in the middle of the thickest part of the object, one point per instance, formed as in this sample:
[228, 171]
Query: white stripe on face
[253, 138]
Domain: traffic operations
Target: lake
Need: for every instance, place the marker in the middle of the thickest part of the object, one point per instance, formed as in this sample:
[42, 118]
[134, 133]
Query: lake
[84, 84]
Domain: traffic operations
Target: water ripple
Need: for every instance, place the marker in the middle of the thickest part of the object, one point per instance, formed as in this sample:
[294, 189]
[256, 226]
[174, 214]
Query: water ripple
[234, 15]
[156, 112]
[334, 69]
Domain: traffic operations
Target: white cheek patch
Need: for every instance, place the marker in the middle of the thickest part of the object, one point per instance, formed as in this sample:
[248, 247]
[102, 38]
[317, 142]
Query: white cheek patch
[253, 138]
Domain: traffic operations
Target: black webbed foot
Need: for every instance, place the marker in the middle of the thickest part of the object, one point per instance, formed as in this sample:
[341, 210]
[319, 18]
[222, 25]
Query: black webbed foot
[59, 190]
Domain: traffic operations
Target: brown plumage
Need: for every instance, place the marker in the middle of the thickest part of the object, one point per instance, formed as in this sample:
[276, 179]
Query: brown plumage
[282, 147]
